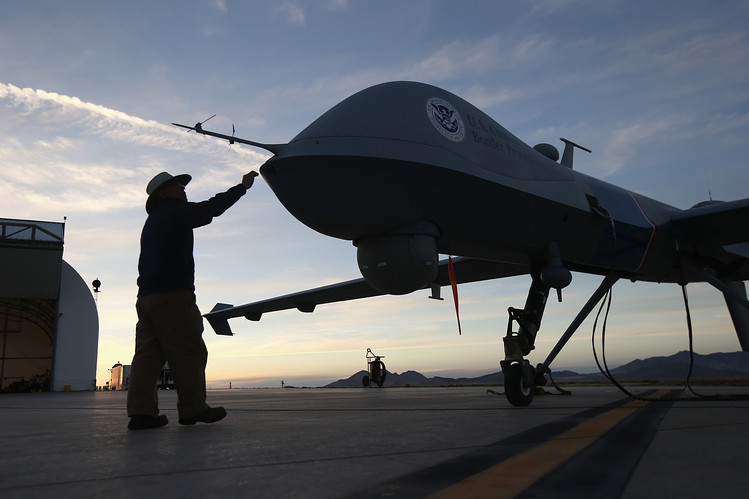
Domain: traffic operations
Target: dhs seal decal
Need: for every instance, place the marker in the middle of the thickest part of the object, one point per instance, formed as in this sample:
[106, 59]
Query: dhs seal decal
[445, 119]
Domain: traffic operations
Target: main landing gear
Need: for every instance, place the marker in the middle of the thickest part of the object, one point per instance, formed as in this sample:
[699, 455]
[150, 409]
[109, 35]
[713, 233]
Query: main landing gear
[521, 379]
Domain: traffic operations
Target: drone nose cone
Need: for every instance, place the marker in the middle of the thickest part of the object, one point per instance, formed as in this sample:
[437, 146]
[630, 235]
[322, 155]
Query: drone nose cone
[268, 170]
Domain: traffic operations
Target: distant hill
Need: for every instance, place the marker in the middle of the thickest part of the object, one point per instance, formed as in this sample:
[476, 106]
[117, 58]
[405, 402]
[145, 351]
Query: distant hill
[716, 365]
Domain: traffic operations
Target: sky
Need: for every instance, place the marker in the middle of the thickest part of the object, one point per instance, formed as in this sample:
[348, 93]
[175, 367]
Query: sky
[659, 91]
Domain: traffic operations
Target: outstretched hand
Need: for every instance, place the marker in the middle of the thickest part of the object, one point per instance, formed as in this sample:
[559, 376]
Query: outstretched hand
[249, 179]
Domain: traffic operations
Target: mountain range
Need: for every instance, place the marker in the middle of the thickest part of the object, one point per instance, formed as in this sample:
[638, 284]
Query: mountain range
[715, 365]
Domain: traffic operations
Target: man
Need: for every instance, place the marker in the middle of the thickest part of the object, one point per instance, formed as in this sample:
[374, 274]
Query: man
[170, 326]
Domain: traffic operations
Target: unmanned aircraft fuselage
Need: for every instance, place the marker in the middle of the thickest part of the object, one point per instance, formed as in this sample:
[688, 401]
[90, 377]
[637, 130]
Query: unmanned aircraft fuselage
[408, 171]
[408, 158]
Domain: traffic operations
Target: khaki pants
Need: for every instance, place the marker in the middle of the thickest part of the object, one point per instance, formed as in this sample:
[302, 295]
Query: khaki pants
[169, 328]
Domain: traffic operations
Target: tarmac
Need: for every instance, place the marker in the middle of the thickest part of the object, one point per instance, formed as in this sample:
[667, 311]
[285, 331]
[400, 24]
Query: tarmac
[380, 442]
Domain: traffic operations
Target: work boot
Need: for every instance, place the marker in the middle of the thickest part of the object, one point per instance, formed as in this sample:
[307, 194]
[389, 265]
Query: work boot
[146, 422]
[211, 415]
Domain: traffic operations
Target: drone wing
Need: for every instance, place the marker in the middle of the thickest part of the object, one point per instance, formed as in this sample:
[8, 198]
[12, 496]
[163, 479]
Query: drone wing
[465, 269]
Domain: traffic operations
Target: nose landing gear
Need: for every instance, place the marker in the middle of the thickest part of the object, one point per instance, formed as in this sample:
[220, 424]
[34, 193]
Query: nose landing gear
[520, 383]
[521, 378]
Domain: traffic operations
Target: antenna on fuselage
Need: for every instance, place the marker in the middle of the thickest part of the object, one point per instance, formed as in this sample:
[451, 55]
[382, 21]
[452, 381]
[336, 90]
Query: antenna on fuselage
[709, 190]
[569, 151]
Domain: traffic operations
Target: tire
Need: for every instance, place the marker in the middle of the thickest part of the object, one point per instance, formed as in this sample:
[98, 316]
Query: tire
[378, 372]
[519, 393]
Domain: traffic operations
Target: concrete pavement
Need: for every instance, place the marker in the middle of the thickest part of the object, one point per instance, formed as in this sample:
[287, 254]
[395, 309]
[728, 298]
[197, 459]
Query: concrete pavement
[394, 442]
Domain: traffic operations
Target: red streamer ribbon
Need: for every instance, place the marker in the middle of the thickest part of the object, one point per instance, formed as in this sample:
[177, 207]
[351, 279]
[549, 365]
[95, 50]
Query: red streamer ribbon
[454, 285]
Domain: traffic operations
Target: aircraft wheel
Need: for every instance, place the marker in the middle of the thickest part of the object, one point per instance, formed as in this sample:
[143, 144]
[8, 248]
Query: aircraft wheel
[365, 381]
[519, 393]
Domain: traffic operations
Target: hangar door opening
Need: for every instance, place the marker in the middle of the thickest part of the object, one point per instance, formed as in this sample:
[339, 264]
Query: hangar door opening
[30, 267]
[27, 344]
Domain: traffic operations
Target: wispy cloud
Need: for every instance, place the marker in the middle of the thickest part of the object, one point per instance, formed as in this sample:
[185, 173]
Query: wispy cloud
[478, 57]
[629, 139]
[221, 6]
[52, 164]
[446, 63]
[294, 13]
[336, 5]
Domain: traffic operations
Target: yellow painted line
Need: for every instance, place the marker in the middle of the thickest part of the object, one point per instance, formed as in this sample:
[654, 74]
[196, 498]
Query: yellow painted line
[514, 475]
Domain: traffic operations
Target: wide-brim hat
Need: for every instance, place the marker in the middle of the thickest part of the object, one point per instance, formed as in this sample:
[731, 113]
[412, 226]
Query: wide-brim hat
[158, 181]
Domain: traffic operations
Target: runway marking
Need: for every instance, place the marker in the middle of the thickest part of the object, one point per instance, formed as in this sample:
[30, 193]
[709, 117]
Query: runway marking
[514, 475]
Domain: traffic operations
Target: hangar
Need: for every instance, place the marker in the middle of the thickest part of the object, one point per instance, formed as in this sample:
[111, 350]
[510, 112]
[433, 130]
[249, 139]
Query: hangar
[49, 325]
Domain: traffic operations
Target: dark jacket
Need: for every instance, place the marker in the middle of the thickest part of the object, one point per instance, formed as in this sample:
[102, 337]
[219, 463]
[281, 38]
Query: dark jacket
[166, 243]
